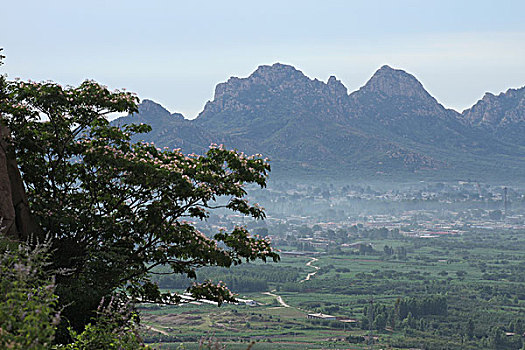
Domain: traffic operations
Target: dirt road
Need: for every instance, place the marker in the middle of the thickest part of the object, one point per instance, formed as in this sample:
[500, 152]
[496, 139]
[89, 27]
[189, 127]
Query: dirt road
[278, 297]
[311, 274]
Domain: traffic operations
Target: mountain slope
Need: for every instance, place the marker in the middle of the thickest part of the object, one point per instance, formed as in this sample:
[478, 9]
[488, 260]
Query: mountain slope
[272, 96]
[395, 105]
[171, 130]
[301, 122]
[502, 115]
[391, 126]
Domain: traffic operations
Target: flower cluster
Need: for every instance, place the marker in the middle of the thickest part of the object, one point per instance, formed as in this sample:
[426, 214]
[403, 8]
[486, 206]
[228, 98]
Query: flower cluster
[211, 291]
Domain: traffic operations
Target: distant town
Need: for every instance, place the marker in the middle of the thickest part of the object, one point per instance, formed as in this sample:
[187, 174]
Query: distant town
[306, 217]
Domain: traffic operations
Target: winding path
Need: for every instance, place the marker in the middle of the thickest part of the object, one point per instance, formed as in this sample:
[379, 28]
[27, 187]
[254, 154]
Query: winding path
[311, 274]
[156, 330]
[278, 297]
[307, 278]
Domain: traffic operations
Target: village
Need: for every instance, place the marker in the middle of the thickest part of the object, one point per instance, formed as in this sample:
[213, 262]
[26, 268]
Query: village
[308, 217]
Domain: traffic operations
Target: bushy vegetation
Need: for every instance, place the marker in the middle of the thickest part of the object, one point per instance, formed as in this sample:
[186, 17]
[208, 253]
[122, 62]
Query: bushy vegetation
[243, 278]
[28, 303]
[114, 328]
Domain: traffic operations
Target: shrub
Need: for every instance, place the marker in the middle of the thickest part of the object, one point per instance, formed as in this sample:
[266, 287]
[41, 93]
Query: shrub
[114, 328]
[28, 316]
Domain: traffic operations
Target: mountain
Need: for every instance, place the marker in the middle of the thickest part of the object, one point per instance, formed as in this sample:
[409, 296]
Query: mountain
[395, 104]
[280, 112]
[303, 123]
[170, 129]
[390, 126]
[502, 115]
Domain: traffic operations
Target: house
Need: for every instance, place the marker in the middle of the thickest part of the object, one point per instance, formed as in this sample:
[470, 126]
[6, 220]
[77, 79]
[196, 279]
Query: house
[321, 316]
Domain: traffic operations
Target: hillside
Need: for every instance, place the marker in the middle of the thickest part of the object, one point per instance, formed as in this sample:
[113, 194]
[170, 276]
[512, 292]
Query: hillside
[390, 127]
[503, 115]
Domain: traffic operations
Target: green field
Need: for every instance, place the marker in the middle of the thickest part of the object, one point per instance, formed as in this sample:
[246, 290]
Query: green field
[479, 275]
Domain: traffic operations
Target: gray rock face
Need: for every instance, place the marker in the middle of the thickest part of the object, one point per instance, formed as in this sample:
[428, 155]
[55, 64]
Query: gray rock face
[269, 86]
[503, 116]
[336, 87]
[7, 210]
[498, 111]
[392, 95]
[396, 82]
[152, 108]
[17, 221]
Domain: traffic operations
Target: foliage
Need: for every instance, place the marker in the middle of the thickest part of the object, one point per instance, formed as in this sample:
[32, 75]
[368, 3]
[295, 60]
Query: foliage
[116, 210]
[114, 328]
[243, 278]
[27, 298]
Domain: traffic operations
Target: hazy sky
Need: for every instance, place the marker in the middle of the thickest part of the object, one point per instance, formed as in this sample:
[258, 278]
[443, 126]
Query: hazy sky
[175, 52]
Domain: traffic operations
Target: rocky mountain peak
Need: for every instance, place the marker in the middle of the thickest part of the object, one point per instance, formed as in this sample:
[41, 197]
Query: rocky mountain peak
[257, 99]
[152, 108]
[275, 77]
[395, 82]
[277, 72]
[336, 86]
[155, 110]
[504, 109]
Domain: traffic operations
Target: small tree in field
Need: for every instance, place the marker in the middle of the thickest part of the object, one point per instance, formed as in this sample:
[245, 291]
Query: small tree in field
[115, 210]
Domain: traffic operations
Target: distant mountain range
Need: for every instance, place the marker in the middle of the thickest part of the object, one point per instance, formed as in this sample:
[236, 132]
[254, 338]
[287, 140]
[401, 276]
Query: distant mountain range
[390, 127]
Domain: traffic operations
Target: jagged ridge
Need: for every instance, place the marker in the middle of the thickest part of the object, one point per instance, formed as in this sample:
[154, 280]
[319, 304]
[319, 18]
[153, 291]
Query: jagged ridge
[390, 125]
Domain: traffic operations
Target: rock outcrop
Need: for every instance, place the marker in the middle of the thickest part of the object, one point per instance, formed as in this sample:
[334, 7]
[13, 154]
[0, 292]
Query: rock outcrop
[17, 221]
[494, 111]
[502, 115]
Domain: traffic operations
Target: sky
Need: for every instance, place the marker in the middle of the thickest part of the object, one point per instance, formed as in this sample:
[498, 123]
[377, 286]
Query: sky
[176, 52]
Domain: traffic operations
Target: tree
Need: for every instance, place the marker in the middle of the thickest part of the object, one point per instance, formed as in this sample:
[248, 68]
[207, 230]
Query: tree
[116, 210]
[469, 329]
